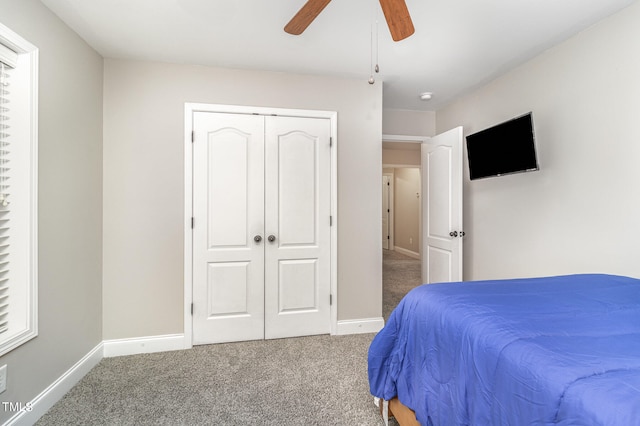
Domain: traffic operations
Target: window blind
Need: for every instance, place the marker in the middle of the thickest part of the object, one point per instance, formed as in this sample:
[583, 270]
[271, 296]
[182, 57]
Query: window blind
[18, 190]
[4, 197]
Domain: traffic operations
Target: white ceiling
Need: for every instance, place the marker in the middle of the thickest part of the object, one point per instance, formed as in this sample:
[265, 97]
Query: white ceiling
[458, 44]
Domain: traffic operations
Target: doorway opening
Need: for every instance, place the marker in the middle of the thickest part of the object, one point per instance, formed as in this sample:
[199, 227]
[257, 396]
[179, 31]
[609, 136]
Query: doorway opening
[440, 220]
[401, 220]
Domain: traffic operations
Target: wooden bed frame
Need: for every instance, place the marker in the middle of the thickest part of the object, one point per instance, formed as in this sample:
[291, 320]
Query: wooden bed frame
[404, 415]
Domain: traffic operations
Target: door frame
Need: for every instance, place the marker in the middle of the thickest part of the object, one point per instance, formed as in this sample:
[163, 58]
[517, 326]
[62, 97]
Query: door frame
[420, 140]
[391, 217]
[189, 110]
[405, 139]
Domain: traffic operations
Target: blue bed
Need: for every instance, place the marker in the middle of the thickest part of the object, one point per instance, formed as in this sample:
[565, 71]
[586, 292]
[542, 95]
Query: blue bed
[560, 350]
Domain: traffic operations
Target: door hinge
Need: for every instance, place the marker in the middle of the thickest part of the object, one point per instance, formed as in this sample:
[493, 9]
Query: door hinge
[330, 220]
[330, 141]
[193, 136]
[192, 309]
[193, 221]
[330, 299]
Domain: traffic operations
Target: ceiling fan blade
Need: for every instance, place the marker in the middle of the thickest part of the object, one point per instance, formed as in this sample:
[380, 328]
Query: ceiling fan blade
[398, 18]
[305, 16]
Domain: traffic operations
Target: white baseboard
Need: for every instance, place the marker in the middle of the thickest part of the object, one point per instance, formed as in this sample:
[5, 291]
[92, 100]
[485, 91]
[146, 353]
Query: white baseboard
[406, 252]
[365, 325]
[55, 391]
[144, 345]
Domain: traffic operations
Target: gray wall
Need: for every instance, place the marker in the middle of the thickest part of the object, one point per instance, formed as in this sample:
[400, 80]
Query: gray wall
[408, 123]
[70, 202]
[579, 213]
[144, 183]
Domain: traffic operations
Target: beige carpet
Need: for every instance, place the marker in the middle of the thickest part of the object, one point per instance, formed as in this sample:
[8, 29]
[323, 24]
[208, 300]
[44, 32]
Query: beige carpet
[317, 380]
[400, 274]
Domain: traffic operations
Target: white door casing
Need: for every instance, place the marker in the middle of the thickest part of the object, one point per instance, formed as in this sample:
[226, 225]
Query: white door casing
[386, 211]
[442, 207]
[260, 176]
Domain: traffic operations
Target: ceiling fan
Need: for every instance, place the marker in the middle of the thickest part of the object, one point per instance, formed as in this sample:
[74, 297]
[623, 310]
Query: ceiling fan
[395, 13]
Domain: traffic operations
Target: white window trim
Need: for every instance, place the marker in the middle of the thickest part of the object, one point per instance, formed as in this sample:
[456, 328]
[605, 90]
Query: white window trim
[25, 129]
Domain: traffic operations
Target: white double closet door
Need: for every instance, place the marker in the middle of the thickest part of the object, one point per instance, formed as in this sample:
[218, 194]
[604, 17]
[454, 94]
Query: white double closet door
[261, 236]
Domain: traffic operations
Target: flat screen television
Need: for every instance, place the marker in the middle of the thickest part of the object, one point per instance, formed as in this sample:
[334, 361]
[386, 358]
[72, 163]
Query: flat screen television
[505, 148]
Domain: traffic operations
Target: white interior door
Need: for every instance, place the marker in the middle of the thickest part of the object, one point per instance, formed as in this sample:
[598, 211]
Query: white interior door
[442, 207]
[228, 206]
[386, 211]
[262, 236]
[297, 226]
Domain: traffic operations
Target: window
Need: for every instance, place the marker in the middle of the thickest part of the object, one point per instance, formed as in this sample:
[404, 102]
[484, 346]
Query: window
[18, 190]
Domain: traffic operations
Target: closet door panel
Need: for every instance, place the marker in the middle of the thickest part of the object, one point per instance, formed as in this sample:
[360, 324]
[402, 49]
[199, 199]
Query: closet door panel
[228, 263]
[297, 210]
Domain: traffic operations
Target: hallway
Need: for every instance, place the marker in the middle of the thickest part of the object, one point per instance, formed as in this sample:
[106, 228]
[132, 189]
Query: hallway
[400, 274]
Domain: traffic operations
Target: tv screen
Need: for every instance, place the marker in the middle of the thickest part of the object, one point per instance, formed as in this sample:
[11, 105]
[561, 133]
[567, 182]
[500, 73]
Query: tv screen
[505, 148]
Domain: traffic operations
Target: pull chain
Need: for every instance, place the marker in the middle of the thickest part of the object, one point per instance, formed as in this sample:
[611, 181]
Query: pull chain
[374, 28]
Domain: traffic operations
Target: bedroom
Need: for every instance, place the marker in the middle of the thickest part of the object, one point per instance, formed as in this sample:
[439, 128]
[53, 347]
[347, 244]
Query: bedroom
[577, 214]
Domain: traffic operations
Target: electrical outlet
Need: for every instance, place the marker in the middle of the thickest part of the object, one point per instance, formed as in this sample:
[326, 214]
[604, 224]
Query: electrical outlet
[410, 240]
[3, 378]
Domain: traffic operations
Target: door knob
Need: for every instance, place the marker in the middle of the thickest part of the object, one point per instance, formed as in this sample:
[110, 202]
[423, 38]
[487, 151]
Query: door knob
[257, 238]
[271, 238]
[453, 233]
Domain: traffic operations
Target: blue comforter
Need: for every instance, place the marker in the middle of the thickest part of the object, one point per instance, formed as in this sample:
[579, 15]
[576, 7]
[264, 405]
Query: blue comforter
[543, 351]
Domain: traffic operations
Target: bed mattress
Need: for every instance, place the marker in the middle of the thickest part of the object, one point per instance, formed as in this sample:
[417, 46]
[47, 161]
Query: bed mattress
[561, 350]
